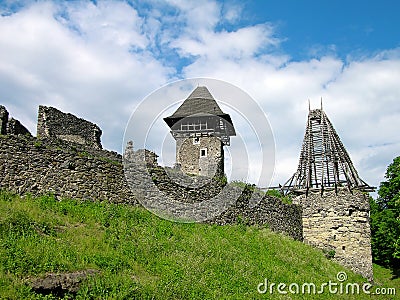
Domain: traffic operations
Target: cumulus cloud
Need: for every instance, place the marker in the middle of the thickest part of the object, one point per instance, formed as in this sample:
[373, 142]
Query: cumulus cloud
[98, 60]
[107, 24]
[210, 45]
[80, 58]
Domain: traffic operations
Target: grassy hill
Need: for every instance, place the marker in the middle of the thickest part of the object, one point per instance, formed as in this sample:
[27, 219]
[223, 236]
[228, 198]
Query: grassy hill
[140, 256]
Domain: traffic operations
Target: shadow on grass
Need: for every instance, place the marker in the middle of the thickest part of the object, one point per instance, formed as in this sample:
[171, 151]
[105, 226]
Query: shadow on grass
[395, 274]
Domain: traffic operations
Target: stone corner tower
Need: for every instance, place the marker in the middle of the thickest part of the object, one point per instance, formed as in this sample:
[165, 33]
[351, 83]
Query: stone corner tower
[332, 196]
[200, 129]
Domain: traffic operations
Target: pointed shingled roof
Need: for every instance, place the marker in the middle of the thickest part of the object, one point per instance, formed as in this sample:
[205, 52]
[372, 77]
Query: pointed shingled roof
[199, 103]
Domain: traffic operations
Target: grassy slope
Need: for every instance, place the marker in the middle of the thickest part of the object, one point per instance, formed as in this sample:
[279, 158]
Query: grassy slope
[141, 256]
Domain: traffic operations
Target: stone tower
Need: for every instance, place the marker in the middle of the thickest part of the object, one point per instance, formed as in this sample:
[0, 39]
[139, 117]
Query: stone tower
[332, 195]
[200, 129]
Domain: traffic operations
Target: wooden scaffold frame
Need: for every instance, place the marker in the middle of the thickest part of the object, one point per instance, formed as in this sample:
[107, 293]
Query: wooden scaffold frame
[324, 163]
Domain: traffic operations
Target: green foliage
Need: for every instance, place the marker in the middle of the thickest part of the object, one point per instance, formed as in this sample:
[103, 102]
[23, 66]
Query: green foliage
[329, 254]
[385, 229]
[389, 190]
[397, 248]
[385, 219]
[140, 256]
[274, 193]
[84, 154]
[111, 161]
[252, 188]
[243, 185]
[279, 194]
[37, 144]
[222, 180]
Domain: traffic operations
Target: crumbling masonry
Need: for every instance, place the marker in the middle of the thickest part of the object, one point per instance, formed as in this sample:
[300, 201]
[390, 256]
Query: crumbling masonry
[332, 196]
[11, 126]
[53, 123]
[66, 159]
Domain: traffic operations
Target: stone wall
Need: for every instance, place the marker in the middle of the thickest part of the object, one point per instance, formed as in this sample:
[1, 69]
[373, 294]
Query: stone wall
[10, 126]
[53, 123]
[3, 119]
[183, 188]
[37, 166]
[267, 211]
[202, 156]
[171, 190]
[16, 128]
[70, 163]
[340, 223]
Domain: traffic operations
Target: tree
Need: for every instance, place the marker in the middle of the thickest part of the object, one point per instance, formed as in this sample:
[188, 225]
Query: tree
[385, 219]
[389, 191]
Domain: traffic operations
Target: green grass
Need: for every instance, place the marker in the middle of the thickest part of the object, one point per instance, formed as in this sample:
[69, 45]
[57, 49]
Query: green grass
[274, 193]
[140, 256]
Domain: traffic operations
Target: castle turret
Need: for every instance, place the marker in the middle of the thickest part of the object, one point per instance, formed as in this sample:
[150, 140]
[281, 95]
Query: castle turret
[332, 196]
[200, 129]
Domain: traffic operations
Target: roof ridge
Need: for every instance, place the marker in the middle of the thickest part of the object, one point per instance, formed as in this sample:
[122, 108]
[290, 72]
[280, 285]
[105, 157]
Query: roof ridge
[200, 101]
[200, 92]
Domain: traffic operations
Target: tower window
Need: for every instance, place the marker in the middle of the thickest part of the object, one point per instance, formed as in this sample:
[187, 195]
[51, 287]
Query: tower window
[196, 141]
[195, 126]
[203, 152]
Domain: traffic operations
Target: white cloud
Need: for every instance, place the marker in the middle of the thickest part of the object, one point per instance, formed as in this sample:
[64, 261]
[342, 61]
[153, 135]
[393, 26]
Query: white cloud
[99, 60]
[360, 98]
[210, 45]
[91, 72]
[197, 15]
[107, 24]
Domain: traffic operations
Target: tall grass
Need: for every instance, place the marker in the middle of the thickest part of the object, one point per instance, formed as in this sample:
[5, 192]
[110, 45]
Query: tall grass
[140, 256]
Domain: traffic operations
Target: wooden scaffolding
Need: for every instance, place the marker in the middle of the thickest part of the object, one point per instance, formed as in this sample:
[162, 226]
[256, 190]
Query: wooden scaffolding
[324, 163]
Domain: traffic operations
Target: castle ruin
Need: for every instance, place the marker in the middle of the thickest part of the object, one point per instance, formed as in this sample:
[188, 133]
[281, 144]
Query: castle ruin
[10, 125]
[330, 210]
[332, 196]
[53, 123]
[201, 130]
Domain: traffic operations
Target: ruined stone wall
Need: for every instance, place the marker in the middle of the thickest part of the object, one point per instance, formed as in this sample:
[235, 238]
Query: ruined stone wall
[266, 211]
[233, 204]
[3, 119]
[38, 166]
[30, 165]
[189, 156]
[340, 223]
[81, 170]
[183, 188]
[53, 123]
[10, 126]
[16, 128]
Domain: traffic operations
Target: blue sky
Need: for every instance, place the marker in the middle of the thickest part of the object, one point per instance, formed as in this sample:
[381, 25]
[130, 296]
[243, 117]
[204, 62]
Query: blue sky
[100, 59]
[349, 27]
